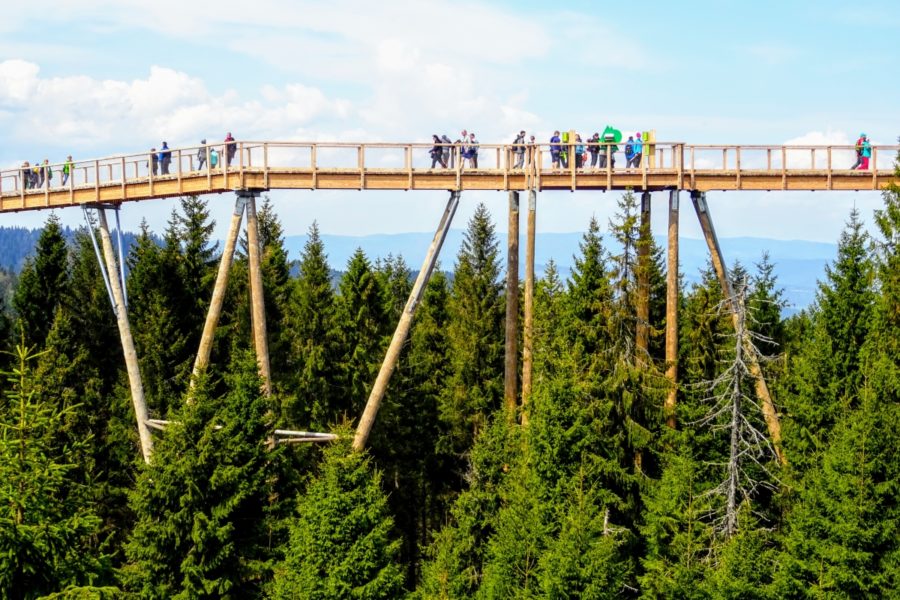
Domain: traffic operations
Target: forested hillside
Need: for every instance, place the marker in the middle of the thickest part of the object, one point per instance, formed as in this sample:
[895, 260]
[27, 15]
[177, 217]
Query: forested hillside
[584, 493]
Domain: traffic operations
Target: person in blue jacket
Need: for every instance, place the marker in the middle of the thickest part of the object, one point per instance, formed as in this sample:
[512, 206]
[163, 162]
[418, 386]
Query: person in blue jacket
[554, 149]
[637, 151]
[165, 159]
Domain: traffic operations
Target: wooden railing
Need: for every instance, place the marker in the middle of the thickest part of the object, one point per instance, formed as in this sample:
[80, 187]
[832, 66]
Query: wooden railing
[686, 160]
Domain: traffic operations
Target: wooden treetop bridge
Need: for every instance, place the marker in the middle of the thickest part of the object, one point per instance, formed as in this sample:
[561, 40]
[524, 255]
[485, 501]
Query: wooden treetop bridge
[405, 166]
[248, 168]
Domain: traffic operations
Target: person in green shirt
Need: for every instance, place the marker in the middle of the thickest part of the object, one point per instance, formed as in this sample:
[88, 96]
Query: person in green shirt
[67, 170]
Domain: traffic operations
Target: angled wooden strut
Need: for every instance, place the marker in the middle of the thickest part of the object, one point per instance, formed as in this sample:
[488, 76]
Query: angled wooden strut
[115, 286]
[762, 390]
[218, 297]
[511, 358]
[367, 421]
[672, 311]
[528, 325]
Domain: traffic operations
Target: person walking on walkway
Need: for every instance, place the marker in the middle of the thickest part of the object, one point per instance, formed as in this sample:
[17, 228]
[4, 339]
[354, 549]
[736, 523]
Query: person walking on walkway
[446, 150]
[637, 151]
[201, 155]
[554, 150]
[46, 172]
[230, 148]
[67, 170]
[38, 174]
[165, 159]
[629, 152]
[594, 148]
[437, 153]
[154, 161]
[865, 154]
[473, 151]
[532, 144]
[519, 150]
[859, 145]
[26, 176]
[579, 152]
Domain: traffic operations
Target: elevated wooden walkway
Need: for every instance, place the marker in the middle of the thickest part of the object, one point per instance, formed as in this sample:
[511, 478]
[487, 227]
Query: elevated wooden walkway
[390, 166]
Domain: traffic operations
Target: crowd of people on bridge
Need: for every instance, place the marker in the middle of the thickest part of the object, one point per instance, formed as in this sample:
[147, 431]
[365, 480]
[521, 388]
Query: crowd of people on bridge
[566, 149]
[40, 174]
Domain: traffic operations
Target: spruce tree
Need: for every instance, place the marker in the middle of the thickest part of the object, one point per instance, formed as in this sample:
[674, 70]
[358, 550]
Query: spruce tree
[42, 283]
[160, 344]
[475, 332]
[313, 351]
[47, 524]
[202, 505]
[341, 543]
[362, 330]
[825, 374]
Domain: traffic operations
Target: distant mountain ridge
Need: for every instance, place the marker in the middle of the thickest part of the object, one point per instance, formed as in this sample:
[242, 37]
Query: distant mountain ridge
[798, 263]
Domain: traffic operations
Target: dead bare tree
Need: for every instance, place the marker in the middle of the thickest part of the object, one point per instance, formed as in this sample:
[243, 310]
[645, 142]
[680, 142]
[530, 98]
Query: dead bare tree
[731, 407]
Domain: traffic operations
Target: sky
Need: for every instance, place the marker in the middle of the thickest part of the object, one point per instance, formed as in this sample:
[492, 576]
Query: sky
[95, 78]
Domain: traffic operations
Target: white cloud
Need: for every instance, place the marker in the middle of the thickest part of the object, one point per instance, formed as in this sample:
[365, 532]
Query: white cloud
[87, 113]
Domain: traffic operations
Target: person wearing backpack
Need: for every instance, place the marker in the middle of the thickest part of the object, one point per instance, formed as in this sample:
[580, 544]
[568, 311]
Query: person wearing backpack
[519, 150]
[629, 152]
[859, 146]
[865, 154]
[437, 153]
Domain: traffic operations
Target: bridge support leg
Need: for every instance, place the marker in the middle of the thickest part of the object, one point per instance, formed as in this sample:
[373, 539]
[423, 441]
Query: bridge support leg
[131, 361]
[511, 362]
[367, 421]
[672, 311]
[218, 297]
[528, 333]
[642, 341]
[762, 390]
[257, 300]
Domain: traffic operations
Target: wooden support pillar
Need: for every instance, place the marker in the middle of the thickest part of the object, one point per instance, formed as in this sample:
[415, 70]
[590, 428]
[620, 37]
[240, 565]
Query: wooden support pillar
[367, 421]
[511, 363]
[528, 333]
[218, 296]
[642, 341]
[762, 390]
[257, 299]
[672, 311]
[131, 361]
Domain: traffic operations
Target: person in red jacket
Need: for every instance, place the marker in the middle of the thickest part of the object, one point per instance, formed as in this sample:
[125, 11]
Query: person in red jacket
[230, 148]
[859, 147]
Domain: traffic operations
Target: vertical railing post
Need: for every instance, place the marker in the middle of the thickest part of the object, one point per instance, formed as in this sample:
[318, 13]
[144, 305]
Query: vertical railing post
[768, 159]
[783, 168]
[828, 154]
[180, 184]
[361, 160]
[315, 167]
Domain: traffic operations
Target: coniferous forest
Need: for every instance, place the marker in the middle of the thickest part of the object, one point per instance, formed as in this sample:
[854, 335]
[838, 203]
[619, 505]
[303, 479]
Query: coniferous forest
[590, 495]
